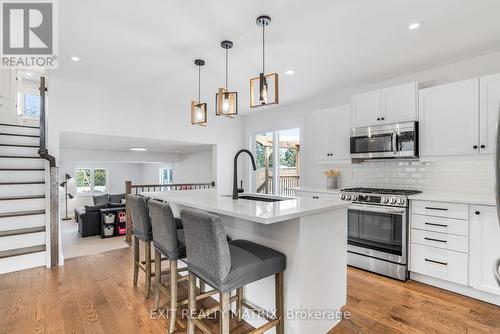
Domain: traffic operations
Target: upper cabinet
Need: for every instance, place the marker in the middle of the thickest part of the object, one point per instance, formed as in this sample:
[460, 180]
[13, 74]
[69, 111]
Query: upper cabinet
[489, 108]
[449, 119]
[384, 106]
[330, 134]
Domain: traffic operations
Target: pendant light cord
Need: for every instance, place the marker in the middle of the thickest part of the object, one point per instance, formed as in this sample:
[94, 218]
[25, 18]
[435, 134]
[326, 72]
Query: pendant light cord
[263, 48]
[226, 68]
[199, 83]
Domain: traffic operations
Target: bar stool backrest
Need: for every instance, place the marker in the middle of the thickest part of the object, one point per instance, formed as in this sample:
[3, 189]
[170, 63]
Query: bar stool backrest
[206, 243]
[164, 226]
[139, 212]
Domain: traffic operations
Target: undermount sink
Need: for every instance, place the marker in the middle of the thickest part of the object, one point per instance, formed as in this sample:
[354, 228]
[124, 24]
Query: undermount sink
[260, 198]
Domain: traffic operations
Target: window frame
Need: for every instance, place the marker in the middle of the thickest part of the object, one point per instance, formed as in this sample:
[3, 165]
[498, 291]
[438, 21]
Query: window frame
[24, 92]
[92, 191]
[161, 178]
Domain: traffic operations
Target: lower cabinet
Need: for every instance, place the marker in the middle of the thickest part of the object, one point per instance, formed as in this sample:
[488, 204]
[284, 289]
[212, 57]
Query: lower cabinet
[484, 248]
[316, 195]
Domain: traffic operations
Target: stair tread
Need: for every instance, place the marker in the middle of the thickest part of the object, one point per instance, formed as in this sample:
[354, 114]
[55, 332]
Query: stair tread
[19, 183]
[21, 126]
[22, 213]
[21, 197]
[21, 169]
[22, 251]
[21, 231]
[20, 145]
[18, 135]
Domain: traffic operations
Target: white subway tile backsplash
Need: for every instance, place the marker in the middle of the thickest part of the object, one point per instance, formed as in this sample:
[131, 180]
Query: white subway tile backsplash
[474, 176]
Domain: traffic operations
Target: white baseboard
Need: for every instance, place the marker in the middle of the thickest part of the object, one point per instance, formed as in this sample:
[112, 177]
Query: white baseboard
[457, 288]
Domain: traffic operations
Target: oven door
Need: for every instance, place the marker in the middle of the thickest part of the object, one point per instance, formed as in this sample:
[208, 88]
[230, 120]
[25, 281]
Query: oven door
[382, 145]
[378, 232]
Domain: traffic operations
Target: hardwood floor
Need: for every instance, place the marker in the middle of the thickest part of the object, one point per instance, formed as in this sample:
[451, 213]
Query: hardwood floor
[94, 294]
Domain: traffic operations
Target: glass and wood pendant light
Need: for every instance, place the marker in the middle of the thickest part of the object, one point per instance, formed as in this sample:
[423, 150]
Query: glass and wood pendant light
[264, 88]
[199, 109]
[226, 102]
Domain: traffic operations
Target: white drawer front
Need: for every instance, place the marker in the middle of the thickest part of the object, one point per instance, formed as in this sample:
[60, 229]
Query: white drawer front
[316, 195]
[441, 240]
[442, 225]
[441, 209]
[440, 263]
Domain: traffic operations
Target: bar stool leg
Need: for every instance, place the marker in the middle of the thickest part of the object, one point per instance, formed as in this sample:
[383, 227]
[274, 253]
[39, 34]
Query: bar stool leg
[157, 279]
[239, 303]
[202, 286]
[173, 296]
[136, 260]
[224, 309]
[191, 303]
[280, 309]
[147, 285]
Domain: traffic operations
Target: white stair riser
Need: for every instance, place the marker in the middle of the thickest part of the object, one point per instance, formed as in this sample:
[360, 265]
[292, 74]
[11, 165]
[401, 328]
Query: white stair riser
[19, 151]
[21, 262]
[13, 223]
[19, 140]
[21, 176]
[22, 189]
[22, 205]
[21, 163]
[21, 241]
[19, 130]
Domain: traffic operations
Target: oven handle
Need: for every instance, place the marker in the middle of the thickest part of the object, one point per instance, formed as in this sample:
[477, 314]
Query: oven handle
[376, 209]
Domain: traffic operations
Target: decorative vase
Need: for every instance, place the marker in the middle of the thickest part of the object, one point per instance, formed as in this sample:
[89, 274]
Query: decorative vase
[331, 183]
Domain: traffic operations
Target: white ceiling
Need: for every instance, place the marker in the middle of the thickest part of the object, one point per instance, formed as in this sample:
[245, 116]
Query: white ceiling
[71, 140]
[329, 43]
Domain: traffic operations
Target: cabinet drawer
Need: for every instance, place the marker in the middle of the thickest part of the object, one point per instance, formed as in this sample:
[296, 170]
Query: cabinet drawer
[440, 209]
[440, 263]
[440, 240]
[442, 225]
[316, 195]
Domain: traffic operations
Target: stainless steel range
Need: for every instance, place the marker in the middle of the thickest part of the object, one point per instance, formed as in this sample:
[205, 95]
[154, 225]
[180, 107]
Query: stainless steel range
[378, 230]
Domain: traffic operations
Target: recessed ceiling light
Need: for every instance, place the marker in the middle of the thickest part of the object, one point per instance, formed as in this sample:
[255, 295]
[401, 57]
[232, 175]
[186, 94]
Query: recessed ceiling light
[138, 149]
[29, 74]
[75, 58]
[414, 25]
[289, 72]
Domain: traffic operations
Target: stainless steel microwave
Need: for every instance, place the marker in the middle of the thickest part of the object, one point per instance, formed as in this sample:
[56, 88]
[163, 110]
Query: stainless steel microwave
[389, 141]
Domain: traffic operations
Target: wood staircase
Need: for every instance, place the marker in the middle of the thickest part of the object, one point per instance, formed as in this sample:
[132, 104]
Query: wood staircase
[23, 196]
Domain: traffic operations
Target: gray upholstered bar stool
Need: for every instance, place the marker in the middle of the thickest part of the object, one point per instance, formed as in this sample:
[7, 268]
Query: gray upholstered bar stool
[228, 266]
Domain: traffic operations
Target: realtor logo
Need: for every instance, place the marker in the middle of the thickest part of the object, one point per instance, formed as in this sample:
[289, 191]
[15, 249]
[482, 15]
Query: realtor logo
[28, 33]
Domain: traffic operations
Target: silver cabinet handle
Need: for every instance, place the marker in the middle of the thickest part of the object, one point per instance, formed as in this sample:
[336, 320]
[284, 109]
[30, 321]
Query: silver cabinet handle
[434, 224]
[437, 262]
[496, 271]
[437, 240]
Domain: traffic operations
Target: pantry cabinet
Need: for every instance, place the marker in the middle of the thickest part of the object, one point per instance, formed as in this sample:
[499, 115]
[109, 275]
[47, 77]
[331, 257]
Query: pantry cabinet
[484, 248]
[330, 134]
[489, 108]
[449, 119]
[384, 106]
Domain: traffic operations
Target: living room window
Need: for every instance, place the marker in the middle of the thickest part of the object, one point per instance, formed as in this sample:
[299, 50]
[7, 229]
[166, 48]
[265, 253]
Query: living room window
[91, 180]
[166, 175]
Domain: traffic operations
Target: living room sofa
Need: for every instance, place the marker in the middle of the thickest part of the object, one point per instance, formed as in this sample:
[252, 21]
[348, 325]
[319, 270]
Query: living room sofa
[89, 216]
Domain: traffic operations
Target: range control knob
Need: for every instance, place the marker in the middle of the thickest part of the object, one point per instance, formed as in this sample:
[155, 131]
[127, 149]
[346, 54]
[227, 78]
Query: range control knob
[393, 200]
[401, 201]
[385, 200]
[355, 197]
[348, 197]
[342, 197]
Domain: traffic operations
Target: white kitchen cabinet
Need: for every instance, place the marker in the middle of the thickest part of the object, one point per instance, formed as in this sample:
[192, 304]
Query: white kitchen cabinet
[484, 247]
[449, 119]
[366, 109]
[330, 134]
[384, 106]
[489, 108]
[399, 103]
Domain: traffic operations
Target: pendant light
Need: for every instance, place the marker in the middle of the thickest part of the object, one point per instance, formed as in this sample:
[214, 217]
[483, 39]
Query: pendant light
[198, 109]
[264, 88]
[226, 102]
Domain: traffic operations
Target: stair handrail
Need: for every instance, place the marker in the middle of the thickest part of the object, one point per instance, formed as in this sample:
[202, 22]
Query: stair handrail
[43, 151]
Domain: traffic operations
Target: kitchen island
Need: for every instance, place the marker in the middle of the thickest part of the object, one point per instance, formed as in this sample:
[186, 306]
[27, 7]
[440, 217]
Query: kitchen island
[311, 233]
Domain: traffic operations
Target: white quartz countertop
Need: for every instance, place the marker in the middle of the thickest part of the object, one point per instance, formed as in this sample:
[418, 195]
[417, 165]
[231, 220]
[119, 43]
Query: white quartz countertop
[470, 198]
[257, 211]
[317, 190]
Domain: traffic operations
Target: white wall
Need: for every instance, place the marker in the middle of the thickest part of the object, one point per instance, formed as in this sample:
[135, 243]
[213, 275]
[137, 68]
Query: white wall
[478, 175]
[194, 167]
